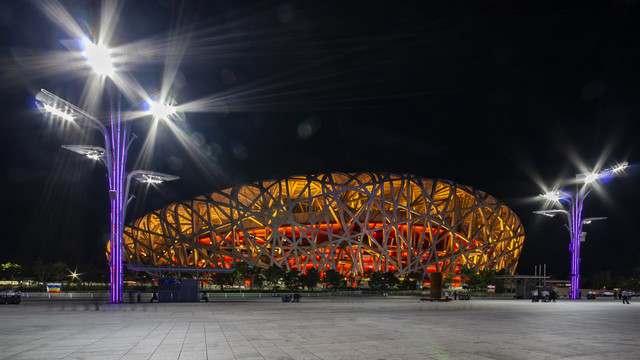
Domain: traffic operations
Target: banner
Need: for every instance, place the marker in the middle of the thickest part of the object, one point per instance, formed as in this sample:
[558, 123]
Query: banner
[54, 287]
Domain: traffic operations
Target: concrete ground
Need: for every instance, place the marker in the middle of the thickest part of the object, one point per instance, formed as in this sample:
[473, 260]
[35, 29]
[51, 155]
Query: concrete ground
[322, 328]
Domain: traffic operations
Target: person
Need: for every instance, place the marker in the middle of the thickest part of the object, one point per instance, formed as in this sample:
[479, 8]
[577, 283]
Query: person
[545, 294]
[625, 297]
[553, 295]
[534, 295]
[455, 295]
[205, 297]
[139, 296]
[153, 297]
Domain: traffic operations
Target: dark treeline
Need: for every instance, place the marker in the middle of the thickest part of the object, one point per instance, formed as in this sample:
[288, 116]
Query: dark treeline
[275, 276]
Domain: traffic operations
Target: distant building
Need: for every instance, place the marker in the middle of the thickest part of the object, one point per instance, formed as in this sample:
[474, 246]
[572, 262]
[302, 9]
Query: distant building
[347, 222]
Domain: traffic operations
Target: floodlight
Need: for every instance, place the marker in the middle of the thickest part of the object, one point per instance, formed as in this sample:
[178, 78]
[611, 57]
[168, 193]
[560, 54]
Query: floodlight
[552, 196]
[589, 178]
[160, 110]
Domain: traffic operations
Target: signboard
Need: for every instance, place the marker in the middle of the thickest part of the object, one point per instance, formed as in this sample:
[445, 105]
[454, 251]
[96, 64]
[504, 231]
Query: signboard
[491, 289]
[54, 287]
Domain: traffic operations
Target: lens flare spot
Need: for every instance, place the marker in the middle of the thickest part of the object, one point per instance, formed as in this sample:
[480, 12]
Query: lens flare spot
[197, 138]
[308, 127]
[239, 150]
[174, 163]
[228, 76]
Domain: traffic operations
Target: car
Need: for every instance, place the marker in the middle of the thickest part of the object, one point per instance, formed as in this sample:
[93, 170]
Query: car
[10, 297]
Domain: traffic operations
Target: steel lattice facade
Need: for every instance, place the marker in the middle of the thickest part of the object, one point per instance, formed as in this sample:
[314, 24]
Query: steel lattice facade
[351, 222]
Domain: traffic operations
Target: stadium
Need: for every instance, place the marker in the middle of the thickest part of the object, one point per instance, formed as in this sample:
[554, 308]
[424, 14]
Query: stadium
[350, 222]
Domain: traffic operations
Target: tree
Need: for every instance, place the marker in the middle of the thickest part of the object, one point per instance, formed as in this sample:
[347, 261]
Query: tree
[333, 278]
[40, 272]
[601, 279]
[255, 276]
[390, 279]
[448, 278]
[273, 274]
[376, 280]
[59, 271]
[412, 280]
[477, 280]
[221, 279]
[311, 279]
[241, 273]
[91, 273]
[291, 279]
[10, 271]
[471, 278]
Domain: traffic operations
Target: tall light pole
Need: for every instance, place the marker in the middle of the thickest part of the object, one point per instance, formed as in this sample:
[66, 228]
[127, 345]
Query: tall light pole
[113, 155]
[574, 216]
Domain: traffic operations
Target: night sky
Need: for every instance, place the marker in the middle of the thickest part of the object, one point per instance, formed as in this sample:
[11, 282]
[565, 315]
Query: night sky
[502, 96]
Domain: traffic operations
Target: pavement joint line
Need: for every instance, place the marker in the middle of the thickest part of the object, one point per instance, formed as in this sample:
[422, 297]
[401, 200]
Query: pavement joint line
[161, 342]
[141, 340]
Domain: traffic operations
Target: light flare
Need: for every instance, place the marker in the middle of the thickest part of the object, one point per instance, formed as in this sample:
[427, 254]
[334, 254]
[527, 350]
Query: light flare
[161, 111]
[592, 177]
[620, 167]
[553, 196]
[99, 58]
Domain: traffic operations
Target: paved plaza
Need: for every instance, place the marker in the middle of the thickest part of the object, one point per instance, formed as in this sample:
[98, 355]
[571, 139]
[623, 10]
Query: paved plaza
[322, 328]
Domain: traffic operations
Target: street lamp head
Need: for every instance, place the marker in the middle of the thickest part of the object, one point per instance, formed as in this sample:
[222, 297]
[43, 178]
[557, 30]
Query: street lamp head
[152, 177]
[545, 213]
[51, 104]
[592, 219]
[98, 57]
[92, 152]
[552, 212]
[620, 167]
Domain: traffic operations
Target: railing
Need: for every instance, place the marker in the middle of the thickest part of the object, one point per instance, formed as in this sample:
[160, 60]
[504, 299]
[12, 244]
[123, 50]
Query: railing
[147, 295]
[66, 295]
[281, 293]
[104, 295]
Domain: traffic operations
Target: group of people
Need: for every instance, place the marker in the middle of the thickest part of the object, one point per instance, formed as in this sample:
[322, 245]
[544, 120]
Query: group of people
[544, 295]
[624, 295]
[139, 296]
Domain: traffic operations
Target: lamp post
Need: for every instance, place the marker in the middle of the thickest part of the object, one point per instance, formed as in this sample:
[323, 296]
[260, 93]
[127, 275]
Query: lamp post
[574, 216]
[117, 139]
